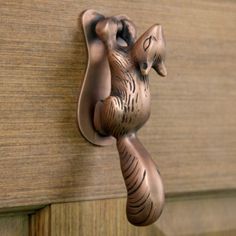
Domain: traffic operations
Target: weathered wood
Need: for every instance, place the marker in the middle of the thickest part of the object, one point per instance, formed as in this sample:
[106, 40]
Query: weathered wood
[205, 215]
[192, 130]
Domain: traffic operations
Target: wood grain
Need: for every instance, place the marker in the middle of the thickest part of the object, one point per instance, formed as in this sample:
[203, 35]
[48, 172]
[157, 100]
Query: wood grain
[207, 215]
[14, 225]
[192, 130]
[40, 222]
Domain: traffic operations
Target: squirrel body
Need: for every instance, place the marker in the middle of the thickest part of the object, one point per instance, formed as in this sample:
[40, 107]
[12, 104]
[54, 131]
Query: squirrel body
[127, 109]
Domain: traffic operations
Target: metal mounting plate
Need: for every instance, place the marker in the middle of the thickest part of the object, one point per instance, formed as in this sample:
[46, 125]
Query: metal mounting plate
[97, 80]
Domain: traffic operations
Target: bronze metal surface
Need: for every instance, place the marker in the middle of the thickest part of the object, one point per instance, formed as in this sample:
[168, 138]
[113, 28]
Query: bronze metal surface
[97, 82]
[115, 103]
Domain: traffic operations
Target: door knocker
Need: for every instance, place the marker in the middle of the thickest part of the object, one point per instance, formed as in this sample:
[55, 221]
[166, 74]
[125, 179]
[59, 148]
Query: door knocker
[114, 103]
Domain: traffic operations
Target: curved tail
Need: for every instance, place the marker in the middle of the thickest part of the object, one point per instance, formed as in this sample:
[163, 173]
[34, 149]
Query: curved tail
[145, 191]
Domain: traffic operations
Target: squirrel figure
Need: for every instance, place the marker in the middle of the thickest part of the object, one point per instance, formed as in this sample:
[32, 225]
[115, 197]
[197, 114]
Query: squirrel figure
[127, 109]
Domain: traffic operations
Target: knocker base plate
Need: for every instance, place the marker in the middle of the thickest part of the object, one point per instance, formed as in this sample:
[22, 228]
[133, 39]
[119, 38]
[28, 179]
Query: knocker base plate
[97, 80]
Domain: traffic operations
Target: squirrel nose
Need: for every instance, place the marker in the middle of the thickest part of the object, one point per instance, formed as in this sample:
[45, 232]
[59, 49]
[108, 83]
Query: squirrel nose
[145, 68]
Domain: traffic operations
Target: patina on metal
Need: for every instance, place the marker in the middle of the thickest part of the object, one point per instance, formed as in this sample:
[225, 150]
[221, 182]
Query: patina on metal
[115, 103]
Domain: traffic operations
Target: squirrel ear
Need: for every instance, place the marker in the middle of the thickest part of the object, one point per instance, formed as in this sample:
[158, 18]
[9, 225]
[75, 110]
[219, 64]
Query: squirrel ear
[128, 30]
[160, 31]
[160, 68]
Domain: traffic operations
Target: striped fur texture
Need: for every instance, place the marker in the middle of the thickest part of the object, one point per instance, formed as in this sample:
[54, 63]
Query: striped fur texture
[145, 197]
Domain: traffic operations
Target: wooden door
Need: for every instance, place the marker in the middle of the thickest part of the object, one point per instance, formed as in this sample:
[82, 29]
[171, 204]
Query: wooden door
[53, 182]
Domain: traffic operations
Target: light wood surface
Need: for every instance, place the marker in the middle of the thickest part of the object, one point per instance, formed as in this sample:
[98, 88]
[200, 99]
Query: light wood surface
[14, 225]
[208, 216]
[40, 222]
[192, 130]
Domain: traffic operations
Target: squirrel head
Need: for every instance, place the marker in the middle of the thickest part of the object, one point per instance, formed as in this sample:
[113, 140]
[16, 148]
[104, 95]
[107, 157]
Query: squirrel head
[149, 51]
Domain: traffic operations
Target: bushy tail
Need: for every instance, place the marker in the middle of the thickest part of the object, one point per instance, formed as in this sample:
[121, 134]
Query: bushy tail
[145, 191]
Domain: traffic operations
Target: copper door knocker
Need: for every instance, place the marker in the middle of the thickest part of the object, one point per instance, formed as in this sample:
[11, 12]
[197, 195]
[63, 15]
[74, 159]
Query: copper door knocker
[115, 103]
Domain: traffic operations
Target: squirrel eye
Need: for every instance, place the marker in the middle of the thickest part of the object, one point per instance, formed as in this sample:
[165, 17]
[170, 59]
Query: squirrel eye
[146, 43]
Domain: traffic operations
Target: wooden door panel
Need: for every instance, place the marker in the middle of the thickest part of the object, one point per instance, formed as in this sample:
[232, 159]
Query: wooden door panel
[192, 129]
[14, 225]
[209, 215]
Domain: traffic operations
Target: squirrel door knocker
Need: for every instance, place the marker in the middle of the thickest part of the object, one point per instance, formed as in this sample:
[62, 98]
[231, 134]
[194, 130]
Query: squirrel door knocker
[120, 106]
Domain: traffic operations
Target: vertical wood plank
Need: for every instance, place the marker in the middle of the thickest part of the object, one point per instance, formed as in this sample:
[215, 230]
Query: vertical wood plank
[40, 223]
[204, 216]
[14, 225]
[208, 215]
